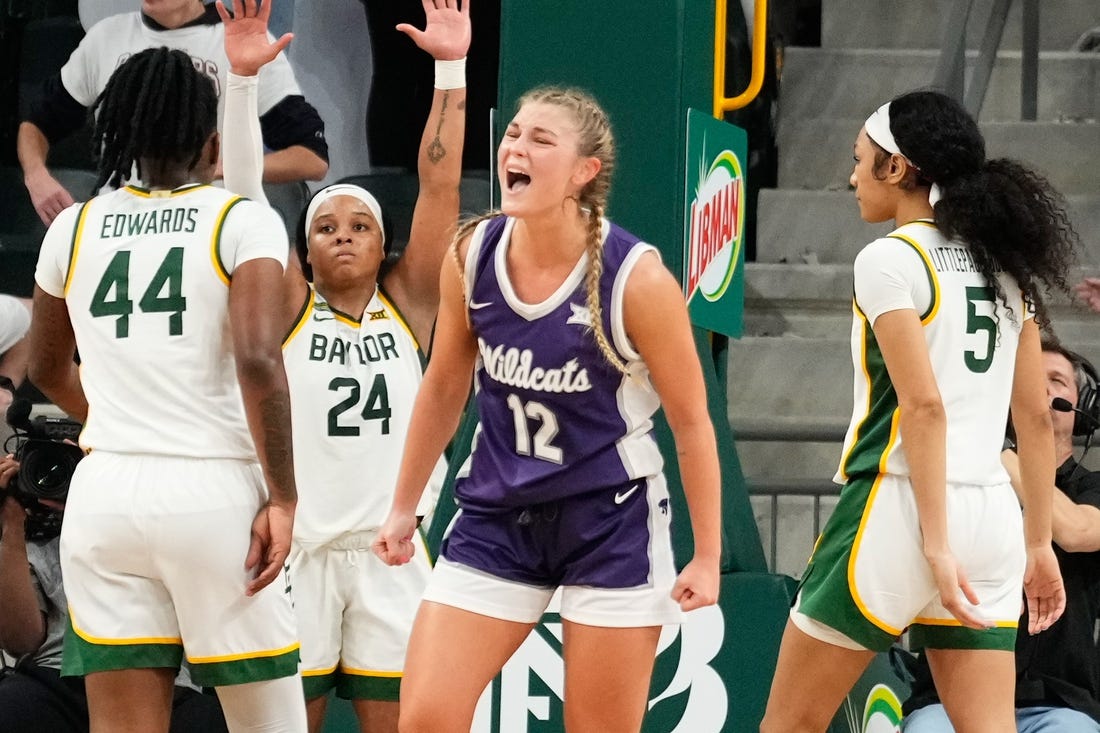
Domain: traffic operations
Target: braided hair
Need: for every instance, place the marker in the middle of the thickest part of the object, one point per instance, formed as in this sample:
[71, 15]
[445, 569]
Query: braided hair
[155, 107]
[1011, 218]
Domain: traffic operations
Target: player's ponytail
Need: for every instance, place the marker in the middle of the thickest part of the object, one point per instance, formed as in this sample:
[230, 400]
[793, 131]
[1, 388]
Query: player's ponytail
[1011, 218]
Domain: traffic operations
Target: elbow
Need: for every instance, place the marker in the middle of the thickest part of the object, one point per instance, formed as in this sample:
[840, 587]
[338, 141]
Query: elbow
[927, 410]
[44, 376]
[317, 169]
[259, 366]
[1076, 539]
[18, 642]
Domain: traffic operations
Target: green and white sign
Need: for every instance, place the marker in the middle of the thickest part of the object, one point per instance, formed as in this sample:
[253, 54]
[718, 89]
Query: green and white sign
[714, 223]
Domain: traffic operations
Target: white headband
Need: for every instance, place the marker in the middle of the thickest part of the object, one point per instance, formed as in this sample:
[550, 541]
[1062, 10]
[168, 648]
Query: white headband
[878, 129]
[345, 189]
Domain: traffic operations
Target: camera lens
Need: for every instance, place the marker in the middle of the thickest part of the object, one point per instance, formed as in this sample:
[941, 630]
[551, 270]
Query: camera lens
[46, 468]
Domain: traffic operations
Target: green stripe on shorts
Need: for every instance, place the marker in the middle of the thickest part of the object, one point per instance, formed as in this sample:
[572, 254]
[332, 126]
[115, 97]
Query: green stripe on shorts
[825, 593]
[317, 685]
[937, 636]
[368, 687]
[250, 669]
[80, 656]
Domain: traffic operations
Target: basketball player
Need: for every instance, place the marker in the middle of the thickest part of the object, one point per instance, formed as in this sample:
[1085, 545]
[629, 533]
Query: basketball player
[945, 339]
[174, 533]
[577, 333]
[359, 329]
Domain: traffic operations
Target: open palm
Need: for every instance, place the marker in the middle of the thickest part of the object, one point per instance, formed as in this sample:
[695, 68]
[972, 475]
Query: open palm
[446, 35]
[247, 45]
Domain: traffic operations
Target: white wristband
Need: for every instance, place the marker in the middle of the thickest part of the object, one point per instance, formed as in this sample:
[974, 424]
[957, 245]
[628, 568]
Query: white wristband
[450, 74]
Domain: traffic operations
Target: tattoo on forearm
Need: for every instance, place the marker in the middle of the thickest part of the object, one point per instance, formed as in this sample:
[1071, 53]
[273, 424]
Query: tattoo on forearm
[278, 454]
[436, 151]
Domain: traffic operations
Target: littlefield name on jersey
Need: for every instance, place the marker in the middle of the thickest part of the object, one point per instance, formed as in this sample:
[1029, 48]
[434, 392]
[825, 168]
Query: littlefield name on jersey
[512, 366]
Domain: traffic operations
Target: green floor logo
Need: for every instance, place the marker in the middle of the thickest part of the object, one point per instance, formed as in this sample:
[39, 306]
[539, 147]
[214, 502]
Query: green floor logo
[688, 694]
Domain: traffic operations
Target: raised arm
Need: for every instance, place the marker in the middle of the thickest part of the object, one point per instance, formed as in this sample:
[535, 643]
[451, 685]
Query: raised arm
[413, 283]
[248, 48]
[656, 320]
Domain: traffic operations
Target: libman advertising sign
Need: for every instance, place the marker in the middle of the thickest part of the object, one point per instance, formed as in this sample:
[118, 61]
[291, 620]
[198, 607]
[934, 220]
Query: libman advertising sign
[714, 223]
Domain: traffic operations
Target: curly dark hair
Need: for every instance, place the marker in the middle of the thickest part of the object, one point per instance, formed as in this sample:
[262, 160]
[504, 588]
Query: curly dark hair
[1010, 216]
[156, 106]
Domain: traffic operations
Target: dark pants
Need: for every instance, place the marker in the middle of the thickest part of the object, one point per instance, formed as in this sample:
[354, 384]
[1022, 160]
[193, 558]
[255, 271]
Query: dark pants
[34, 699]
[37, 699]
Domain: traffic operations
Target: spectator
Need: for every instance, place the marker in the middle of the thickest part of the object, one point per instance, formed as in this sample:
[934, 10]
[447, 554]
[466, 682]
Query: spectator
[1058, 670]
[15, 320]
[292, 129]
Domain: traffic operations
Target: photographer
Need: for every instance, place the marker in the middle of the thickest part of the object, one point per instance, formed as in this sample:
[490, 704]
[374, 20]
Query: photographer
[33, 697]
[33, 616]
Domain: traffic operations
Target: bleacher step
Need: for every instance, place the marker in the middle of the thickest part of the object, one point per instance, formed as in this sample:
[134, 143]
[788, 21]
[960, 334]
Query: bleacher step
[920, 23]
[846, 83]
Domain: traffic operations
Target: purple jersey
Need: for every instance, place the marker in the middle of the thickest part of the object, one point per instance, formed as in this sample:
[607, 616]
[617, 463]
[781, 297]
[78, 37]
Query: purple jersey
[556, 419]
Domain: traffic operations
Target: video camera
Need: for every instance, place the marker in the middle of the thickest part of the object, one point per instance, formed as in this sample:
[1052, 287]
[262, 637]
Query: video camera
[46, 462]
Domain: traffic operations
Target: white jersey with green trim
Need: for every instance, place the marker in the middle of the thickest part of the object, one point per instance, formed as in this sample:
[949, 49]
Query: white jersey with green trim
[352, 388]
[145, 278]
[971, 337]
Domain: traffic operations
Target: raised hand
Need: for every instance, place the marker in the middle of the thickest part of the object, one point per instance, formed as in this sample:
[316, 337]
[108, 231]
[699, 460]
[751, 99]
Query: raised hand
[247, 45]
[446, 36]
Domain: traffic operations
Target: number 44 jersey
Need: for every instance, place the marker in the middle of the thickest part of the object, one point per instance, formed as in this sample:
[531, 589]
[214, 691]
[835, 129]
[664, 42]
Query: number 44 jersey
[353, 383]
[145, 276]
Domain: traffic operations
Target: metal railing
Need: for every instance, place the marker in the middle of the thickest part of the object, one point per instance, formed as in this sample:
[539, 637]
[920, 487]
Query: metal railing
[793, 430]
[722, 103]
[951, 67]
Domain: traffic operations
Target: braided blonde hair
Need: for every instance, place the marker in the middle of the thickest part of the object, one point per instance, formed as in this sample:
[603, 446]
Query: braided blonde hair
[594, 141]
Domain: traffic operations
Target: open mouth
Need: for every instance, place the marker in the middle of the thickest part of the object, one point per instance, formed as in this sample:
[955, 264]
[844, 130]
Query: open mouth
[516, 180]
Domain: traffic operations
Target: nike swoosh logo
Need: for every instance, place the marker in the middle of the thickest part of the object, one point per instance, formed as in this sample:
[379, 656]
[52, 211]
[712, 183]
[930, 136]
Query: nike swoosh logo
[330, 318]
[478, 306]
[621, 497]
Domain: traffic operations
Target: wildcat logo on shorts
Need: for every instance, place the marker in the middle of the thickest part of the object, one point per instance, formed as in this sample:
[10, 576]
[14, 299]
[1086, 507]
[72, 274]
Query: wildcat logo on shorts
[527, 696]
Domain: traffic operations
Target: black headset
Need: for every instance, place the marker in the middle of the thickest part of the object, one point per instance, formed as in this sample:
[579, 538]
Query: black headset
[1087, 416]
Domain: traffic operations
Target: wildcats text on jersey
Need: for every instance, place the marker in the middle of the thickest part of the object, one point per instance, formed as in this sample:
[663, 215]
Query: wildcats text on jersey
[141, 223]
[512, 367]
